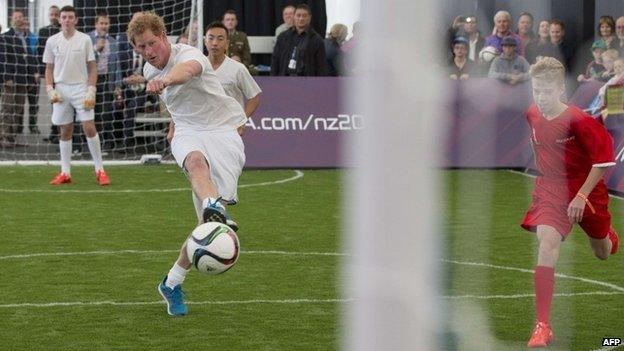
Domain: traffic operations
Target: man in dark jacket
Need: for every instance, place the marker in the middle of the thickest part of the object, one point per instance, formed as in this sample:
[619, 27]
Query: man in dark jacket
[133, 85]
[299, 51]
[15, 79]
[44, 33]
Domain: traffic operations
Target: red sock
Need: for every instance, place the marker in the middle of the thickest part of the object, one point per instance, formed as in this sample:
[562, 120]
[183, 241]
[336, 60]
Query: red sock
[544, 279]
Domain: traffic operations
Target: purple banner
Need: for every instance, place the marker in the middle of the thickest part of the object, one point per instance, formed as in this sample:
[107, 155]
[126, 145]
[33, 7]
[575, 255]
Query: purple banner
[487, 128]
[486, 124]
[300, 123]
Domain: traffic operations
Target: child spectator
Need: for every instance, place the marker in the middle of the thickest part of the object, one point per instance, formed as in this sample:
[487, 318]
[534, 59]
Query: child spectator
[460, 66]
[608, 59]
[595, 67]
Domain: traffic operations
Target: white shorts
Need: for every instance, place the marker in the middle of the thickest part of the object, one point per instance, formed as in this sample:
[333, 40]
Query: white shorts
[224, 151]
[73, 98]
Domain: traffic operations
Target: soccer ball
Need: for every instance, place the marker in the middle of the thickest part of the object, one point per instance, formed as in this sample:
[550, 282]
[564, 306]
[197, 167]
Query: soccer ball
[488, 53]
[213, 248]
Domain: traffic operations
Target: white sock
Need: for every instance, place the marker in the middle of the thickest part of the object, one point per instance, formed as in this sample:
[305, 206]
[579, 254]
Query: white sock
[65, 147]
[96, 152]
[176, 276]
[211, 200]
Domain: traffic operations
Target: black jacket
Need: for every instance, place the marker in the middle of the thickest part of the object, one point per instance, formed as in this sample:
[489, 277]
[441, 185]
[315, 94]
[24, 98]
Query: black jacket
[15, 59]
[44, 34]
[307, 48]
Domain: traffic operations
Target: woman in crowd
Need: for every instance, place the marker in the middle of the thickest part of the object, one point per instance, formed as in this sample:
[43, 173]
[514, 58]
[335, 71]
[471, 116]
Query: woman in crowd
[606, 32]
[543, 38]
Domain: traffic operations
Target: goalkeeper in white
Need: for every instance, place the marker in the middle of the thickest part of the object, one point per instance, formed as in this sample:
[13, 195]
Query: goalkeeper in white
[71, 75]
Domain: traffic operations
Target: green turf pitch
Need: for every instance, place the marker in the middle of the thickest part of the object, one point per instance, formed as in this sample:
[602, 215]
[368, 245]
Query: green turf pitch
[275, 298]
[481, 216]
[268, 301]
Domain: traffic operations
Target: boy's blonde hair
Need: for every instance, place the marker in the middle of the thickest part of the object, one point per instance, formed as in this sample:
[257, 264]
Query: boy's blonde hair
[548, 68]
[143, 22]
[611, 53]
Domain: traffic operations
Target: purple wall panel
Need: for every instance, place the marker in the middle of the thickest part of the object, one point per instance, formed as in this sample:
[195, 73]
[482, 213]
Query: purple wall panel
[300, 123]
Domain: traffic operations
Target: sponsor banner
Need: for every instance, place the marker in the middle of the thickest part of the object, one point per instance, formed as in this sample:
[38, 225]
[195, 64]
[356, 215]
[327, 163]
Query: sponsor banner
[300, 123]
[486, 124]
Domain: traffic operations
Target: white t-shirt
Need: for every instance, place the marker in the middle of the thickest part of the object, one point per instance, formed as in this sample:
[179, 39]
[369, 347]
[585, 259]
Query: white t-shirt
[200, 103]
[236, 81]
[69, 56]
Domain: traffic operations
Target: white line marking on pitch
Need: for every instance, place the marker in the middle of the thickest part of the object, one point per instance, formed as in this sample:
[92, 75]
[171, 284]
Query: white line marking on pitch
[521, 296]
[298, 174]
[141, 303]
[565, 276]
[618, 289]
[141, 252]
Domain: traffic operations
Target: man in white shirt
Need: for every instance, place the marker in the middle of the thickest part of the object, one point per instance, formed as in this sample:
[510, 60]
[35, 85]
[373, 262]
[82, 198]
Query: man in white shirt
[234, 77]
[71, 76]
[205, 144]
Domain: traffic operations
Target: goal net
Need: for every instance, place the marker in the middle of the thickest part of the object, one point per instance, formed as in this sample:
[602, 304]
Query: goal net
[130, 122]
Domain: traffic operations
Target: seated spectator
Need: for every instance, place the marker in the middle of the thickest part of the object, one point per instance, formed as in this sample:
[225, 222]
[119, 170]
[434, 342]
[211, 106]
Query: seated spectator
[619, 31]
[595, 67]
[525, 30]
[606, 31]
[460, 66]
[608, 61]
[299, 51]
[543, 38]
[502, 29]
[288, 16]
[333, 42]
[509, 66]
[475, 39]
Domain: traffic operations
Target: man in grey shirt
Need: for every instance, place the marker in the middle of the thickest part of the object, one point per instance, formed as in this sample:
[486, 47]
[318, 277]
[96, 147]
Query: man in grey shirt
[509, 66]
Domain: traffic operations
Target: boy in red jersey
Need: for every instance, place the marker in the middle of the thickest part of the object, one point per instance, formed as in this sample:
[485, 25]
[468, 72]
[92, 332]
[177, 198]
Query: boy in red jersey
[572, 152]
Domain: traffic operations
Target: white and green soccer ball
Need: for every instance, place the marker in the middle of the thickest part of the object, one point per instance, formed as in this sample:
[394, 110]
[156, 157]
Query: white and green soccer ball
[213, 248]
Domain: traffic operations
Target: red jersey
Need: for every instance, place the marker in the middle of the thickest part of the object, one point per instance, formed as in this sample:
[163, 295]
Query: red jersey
[566, 148]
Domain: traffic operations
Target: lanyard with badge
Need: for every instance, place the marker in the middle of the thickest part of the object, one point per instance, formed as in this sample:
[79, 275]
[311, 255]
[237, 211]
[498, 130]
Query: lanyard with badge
[296, 55]
[292, 64]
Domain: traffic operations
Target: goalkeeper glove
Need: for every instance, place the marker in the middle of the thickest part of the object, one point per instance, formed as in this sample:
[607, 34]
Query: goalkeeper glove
[89, 101]
[53, 95]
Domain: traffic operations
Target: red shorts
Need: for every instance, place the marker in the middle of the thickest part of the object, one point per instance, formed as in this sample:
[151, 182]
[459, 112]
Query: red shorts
[549, 207]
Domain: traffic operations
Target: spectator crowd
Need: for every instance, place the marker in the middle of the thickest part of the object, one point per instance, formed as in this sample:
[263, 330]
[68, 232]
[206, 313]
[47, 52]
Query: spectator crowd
[506, 54]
